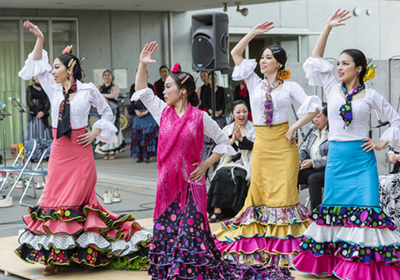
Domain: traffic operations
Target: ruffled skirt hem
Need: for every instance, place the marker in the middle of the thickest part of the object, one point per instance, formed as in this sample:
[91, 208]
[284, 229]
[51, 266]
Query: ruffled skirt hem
[184, 249]
[262, 235]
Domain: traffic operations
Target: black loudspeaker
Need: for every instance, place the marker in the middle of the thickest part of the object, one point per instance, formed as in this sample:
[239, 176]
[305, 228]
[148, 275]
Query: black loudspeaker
[210, 42]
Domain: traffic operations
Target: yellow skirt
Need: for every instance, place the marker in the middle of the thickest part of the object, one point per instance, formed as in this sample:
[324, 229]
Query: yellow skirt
[274, 168]
[269, 227]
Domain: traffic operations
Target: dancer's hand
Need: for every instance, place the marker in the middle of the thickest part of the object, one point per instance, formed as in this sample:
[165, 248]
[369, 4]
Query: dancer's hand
[34, 29]
[263, 27]
[146, 57]
[88, 137]
[308, 163]
[371, 145]
[290, 136]
[338, 18]
[199, 172]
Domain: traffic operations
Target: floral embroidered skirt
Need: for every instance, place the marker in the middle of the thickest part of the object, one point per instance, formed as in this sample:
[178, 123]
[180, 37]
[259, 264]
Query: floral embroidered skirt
[389, 196]
[269, 227]
[350, 237]
[70, 226]
[144, 137]
[183, 248]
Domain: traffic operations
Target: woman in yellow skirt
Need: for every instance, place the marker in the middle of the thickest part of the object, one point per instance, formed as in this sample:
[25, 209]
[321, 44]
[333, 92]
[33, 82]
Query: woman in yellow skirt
[269, 228]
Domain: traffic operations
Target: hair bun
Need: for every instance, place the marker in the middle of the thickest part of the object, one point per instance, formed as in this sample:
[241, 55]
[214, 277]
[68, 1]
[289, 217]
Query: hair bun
[284, 75]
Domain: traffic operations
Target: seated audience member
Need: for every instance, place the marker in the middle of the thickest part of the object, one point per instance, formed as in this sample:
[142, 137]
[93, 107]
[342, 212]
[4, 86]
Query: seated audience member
[389, 189]
[241, 93]
[313, 156]
[231, 179]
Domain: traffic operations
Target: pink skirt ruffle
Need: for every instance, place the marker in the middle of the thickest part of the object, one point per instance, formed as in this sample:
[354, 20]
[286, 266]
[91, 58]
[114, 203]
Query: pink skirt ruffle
[334, 265]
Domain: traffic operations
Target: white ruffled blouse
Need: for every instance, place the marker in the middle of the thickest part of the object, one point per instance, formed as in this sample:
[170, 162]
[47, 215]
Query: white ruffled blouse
[155, 106]
[319, 73]
[87, 95]
[281, 99]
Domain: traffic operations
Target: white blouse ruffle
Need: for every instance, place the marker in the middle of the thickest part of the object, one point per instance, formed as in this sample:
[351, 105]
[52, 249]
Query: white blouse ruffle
[310, 105]
[34, 67]
[281, 99]
[87, 95]
[244, 70]
[318, 71]
[155, 106]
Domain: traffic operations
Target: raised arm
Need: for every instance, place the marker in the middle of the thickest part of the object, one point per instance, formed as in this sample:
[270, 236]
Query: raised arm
[37, 51]
[146, 57]
[153, 104]
[237, 51]
[337, 19]
[37, 64]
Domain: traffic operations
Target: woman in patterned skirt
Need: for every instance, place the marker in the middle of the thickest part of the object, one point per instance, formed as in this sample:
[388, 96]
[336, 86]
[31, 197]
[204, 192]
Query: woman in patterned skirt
[183, 247]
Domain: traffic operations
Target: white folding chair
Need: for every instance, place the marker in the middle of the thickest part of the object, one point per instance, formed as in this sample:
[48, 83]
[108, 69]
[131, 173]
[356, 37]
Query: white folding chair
[30, 146]
[38, 171]
[301, 187]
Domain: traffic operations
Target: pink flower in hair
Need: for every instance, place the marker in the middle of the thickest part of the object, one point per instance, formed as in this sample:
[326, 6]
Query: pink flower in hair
[68, 50]
[176, 69]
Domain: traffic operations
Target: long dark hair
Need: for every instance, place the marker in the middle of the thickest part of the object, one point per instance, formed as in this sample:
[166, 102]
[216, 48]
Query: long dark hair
[65, 58]
[359, 60]
[188, 84]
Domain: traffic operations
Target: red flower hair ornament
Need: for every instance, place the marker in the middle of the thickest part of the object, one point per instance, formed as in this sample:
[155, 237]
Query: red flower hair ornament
[68, 50]
[177, 68]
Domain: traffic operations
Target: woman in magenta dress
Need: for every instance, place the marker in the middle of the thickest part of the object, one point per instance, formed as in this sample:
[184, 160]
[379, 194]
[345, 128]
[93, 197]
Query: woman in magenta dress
[69, 225]
[183, 247]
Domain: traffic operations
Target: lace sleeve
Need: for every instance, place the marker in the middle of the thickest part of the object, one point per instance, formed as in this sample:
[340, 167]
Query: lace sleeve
[152, 102]
[212, 130]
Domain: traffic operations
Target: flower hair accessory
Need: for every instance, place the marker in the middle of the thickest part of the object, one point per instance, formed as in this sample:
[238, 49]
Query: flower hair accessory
[68, 50]
[284, 74]
[370, 72]
[176, 69]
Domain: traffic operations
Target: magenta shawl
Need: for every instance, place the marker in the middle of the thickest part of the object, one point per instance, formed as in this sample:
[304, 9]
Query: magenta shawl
[180, 144]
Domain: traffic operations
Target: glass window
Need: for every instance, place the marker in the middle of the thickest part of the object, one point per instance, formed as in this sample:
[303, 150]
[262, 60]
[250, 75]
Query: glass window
[10, 84]
[64, 34]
